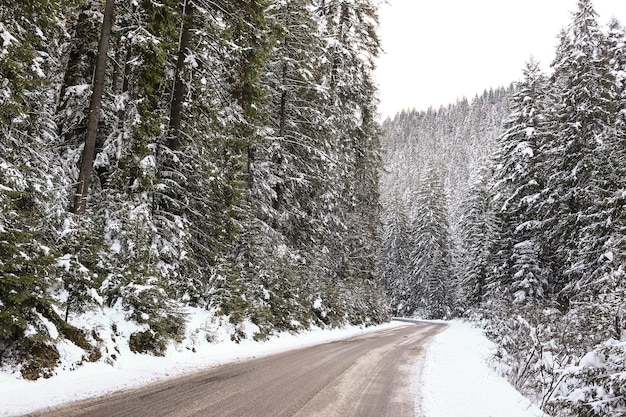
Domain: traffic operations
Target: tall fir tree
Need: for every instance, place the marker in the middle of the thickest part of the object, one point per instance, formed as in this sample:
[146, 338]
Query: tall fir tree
[581, 105]
[394, 255]
[517, 270]
[477, 227]
[430, 262]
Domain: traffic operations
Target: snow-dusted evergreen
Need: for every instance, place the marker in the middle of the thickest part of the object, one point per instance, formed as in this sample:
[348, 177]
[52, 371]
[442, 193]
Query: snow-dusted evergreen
[517, 181]
[235, 170]
[430, 256]
[394, 257]
[476, 228]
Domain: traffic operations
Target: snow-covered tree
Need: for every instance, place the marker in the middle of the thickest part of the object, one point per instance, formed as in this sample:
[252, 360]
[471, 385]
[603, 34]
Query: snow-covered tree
[582, 118]
[430, 258]
[518, 181]
[476, 226]
[394, 255]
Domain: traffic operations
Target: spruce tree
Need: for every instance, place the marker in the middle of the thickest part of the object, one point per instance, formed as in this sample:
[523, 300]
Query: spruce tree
[430, 262]
[476, 230]
[394, 255]
[518, 182]
[581, 105]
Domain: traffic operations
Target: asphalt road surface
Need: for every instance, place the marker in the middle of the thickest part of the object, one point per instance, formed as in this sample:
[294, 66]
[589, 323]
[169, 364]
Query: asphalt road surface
[368, 375]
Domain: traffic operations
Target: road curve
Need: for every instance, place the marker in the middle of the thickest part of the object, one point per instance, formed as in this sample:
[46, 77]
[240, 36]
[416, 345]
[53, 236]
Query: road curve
[363, 376]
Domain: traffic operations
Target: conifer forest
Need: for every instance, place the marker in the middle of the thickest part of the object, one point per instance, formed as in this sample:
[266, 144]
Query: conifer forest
[163, 158]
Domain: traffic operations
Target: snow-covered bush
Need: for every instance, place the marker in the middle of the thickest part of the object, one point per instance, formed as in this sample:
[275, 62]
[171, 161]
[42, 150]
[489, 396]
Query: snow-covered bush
[531, 347]
[562, 361]
[596, 387]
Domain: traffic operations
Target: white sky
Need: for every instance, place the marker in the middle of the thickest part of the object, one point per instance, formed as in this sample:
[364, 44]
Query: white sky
[439, 50]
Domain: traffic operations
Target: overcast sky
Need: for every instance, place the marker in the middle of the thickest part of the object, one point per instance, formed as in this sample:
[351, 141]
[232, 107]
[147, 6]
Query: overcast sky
[439, 50]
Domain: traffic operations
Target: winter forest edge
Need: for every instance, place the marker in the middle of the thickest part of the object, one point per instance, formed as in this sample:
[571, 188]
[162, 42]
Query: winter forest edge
[224, 156]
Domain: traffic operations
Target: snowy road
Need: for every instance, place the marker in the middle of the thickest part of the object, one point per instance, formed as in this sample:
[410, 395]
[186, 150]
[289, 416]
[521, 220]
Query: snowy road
[368, 375]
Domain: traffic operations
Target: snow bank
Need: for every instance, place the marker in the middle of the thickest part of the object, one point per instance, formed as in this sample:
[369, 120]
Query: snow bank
[454, 379]
[18, 396]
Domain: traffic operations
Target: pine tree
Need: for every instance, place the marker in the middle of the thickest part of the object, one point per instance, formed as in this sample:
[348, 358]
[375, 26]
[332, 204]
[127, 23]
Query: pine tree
[581, 102]
[394, 255]
[561, 223]
[141, 240]
[476, 230]
[518, 181]
[77, 83]
[201, 181]
[349, 30]
[601, 246]
[460, 139]
[297, 159]
[430, 263]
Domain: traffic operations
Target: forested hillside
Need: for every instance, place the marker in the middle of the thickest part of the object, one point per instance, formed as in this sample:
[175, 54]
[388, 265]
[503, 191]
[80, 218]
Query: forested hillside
[524, 230]
[433, 162]
[161, 157]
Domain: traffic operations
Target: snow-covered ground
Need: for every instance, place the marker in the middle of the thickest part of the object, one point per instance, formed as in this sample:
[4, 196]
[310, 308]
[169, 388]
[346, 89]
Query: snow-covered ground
[456, 380]
[455, 377]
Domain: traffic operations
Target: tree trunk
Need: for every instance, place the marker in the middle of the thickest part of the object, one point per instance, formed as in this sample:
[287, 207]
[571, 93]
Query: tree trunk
[282, 122]
[341, 38]
[80, 198]
[79, 71]
[179, 87]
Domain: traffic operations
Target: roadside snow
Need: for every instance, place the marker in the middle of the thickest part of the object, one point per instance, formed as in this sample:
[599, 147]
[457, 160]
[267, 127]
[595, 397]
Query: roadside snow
[454, 379]
[18, 396]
